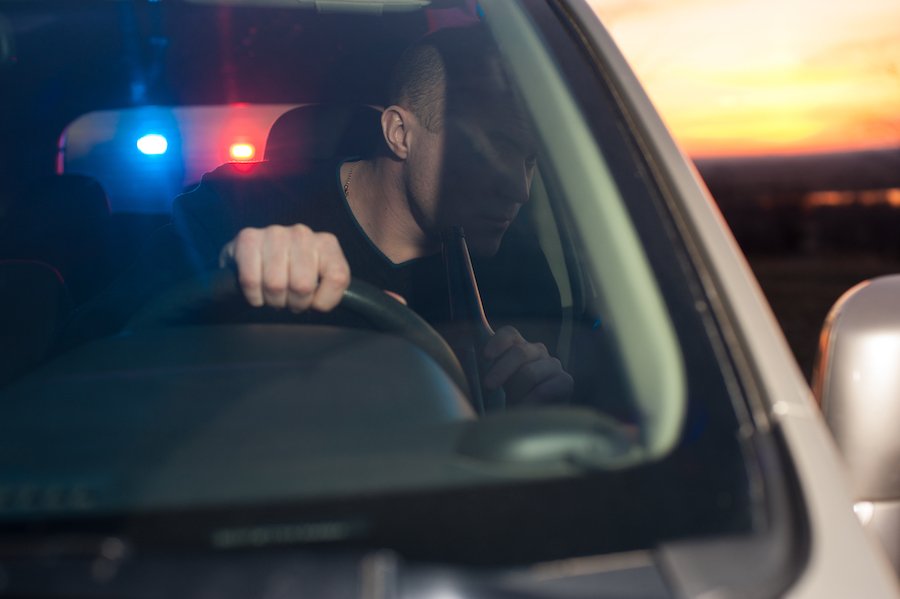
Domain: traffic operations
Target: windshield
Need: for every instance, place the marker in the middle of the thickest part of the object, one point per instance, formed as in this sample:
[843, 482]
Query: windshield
[188, 196]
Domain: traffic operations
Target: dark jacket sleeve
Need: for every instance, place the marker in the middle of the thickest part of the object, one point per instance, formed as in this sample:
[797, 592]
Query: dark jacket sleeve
[206, 217]
[230, 198]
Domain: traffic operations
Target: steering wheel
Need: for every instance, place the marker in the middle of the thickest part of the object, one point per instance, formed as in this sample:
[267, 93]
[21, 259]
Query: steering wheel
[380, 311]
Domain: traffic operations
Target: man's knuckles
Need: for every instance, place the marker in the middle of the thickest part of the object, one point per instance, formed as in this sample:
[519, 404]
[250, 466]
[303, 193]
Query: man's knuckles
[300, 228]
[532, 371]
[248, 238]
[327, 240]
[298, 234]
[523, 352]
[540, 369]
[337, 277]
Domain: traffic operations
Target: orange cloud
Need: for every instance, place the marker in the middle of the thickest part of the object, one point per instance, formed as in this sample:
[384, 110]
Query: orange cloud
[756, 76]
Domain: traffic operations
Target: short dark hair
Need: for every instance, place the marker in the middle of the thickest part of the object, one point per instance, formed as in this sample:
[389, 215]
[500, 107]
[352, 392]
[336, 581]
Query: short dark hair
[454, 60]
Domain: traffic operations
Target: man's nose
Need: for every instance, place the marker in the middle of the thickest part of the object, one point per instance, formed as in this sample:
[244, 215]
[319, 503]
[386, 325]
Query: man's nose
[515, 183]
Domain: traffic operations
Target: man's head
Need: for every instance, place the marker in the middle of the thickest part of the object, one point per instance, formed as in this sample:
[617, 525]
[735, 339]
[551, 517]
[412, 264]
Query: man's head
[465, 147]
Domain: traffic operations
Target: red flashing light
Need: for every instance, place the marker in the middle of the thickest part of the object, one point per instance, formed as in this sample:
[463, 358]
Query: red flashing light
[242, 151]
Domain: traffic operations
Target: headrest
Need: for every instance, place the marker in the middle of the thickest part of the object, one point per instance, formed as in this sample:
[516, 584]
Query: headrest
[324, 131]
[63, 220]
[59, 203]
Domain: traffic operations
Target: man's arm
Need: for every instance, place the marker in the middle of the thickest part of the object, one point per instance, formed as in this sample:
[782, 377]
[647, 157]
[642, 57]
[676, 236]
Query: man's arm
[297, 268]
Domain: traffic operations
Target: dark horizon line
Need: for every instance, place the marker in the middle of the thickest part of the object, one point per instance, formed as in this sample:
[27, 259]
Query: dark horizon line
[851, 170]
[788, 155]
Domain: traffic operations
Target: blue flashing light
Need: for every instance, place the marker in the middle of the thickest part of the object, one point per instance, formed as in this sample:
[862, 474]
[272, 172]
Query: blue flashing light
[153, 144]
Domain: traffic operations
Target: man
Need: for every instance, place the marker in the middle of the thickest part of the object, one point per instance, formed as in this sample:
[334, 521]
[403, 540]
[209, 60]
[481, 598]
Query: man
[455, 152]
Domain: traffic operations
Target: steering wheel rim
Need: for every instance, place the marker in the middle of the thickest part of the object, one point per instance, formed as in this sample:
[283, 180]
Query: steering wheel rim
[381, 311]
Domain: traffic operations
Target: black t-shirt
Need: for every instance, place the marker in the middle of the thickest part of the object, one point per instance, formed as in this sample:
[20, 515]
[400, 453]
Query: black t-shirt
[516, 285]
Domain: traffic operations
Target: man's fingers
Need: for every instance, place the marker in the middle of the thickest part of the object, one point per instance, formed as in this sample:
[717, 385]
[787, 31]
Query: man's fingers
[275, 263]
[303, 274]
[503, 339]
[333, 272]
[552, 390]
[247, 254]
[530, 375]
[511, 361]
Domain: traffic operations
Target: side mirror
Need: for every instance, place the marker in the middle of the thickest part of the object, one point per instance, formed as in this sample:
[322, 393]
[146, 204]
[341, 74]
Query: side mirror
[857, 384]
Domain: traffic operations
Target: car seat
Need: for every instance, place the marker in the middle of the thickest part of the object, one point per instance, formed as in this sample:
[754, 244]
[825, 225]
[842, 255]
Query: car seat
[63, 221]
[34, 304]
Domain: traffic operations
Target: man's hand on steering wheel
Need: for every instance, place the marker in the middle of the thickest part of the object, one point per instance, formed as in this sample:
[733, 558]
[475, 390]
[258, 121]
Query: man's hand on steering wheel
[288, 267]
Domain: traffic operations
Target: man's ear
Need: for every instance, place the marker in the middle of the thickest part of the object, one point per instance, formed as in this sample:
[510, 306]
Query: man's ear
[395, 122]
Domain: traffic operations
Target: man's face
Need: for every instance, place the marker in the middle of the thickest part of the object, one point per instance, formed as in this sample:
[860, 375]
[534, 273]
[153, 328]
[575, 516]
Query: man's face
[476, 172]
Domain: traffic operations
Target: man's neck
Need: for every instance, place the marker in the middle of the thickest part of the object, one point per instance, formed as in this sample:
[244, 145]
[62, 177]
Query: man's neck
[377, 198]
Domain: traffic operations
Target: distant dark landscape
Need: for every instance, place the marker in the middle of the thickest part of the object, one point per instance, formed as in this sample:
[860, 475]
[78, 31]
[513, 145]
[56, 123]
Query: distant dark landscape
[812, 226]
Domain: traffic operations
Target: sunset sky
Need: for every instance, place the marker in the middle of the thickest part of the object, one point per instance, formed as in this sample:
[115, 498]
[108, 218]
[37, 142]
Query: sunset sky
[736, 77]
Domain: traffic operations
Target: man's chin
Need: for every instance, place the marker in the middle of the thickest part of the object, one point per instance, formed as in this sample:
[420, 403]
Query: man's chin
[483, 238]
[483, 244]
